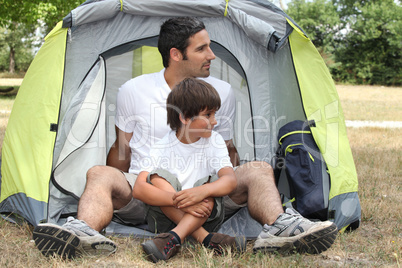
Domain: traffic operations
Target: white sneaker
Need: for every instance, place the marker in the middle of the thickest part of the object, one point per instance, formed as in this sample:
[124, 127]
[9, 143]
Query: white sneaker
[291, 232]
[73, 239]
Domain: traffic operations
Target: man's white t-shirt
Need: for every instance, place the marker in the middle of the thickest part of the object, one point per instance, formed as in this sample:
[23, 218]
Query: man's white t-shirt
[141, 110]
[188, 162]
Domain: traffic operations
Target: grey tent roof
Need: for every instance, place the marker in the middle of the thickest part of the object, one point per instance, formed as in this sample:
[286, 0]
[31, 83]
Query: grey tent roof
[262, 21]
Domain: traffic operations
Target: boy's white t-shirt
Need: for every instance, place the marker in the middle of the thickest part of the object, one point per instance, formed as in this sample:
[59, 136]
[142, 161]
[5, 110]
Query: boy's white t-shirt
[141, 110]
[188, 162]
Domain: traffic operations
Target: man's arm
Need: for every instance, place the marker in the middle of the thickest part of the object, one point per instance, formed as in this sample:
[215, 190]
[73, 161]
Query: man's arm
[120, 153]
[233, 154]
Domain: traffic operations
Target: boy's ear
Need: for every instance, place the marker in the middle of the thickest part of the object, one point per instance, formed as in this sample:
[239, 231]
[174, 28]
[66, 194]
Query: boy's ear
[183, 120]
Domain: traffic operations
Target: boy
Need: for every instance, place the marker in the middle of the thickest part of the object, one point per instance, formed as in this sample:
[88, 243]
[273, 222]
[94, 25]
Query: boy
[190, 165]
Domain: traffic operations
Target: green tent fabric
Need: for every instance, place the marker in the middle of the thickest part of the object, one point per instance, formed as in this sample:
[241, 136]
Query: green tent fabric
[326, 111]
[62, 122]
[28, 139]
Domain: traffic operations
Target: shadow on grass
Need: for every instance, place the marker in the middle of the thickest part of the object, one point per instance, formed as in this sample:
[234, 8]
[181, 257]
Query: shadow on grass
[7, 92]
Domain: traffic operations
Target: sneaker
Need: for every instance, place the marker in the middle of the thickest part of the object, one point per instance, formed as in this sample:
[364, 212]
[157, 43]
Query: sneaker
[161, 247]
[73, 239]
[220, 242]
[291, 232]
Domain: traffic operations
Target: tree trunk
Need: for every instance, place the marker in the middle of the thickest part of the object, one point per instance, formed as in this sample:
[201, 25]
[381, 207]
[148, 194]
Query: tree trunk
[11, 68]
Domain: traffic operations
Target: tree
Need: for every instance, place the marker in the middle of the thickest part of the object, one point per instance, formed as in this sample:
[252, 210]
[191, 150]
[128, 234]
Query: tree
[359, 40]
[320, 20]
[20, 19]
[370, 49]
[29, 12]
[16, 47]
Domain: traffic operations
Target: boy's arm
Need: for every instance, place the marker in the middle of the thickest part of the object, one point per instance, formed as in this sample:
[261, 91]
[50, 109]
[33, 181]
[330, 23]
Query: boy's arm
[226, 184]
[154, 196]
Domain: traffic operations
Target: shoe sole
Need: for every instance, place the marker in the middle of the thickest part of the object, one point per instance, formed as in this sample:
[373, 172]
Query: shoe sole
[151, 250]
[313, 243]
[52, 239]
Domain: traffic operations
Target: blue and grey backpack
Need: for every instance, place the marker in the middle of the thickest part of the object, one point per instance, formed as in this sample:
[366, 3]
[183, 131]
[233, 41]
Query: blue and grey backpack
[300, 165]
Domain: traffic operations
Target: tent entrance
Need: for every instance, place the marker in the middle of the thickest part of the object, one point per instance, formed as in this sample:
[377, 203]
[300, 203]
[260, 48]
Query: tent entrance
[142, 57]
[87, 130]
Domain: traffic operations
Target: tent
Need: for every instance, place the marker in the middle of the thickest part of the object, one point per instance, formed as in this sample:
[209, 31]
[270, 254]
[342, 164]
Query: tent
[62, 122]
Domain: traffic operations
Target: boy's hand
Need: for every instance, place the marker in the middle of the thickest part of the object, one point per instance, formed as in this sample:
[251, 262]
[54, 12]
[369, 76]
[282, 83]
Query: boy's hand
[200, 210]
[188, 197]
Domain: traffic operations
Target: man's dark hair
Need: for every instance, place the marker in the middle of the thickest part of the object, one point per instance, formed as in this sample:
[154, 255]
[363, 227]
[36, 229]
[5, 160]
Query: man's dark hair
[188, 98]
[175, 33]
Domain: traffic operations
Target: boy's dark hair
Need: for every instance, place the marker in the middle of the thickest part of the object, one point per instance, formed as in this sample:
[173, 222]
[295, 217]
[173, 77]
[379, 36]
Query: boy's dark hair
[175, 33]
[189, 98]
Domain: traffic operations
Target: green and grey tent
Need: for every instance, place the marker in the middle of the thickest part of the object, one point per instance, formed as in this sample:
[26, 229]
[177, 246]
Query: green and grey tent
[62, 122]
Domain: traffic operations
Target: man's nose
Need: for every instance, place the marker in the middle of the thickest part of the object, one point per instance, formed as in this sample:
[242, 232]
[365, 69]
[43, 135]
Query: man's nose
[211, 55]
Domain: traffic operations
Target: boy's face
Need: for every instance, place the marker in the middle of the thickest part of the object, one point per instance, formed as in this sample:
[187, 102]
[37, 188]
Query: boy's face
[201, 125]
[198, 55]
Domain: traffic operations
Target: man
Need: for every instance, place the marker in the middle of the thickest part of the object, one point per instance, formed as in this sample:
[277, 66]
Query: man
[185, 48]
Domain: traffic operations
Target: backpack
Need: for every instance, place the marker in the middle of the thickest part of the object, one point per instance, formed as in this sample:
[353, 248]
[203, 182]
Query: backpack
[299, 160]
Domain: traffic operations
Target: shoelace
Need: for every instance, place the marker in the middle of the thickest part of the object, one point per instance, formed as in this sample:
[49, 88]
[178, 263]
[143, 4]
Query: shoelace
[216, 247]
[72, 225]
[169, 246]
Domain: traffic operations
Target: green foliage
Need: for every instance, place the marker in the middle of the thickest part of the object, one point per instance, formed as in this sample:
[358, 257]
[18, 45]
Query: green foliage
[20, 20]
[29, 12]
[370, 51]
[318, 18]
[358, 40]
[19, 40]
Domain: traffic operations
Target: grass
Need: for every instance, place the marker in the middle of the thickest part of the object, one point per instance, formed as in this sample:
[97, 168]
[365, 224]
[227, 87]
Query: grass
[374, 103]
[377, 243]
[12, 75]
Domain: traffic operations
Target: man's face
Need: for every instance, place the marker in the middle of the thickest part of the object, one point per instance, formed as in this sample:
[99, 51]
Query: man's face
[198, 55]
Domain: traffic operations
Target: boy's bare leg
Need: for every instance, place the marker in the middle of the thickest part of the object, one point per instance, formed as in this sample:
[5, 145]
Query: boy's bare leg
[187, 224]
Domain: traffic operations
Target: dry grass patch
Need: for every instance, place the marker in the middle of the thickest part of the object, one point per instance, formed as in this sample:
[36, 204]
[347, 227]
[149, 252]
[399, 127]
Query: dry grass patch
[374, 103]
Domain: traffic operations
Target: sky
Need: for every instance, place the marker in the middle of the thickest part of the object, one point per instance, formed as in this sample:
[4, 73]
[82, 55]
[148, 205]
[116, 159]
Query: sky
[285, 2]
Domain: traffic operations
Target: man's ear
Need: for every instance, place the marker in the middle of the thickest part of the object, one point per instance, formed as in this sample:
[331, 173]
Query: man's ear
[175, 54]
[183, 120]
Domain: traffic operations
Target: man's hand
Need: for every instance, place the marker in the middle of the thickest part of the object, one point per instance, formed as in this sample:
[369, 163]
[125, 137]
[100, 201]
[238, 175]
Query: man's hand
[189, 197]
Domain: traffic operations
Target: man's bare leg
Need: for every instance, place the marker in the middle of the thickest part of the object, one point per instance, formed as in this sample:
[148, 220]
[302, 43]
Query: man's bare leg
[106, 190]
[283, 232]
[95, 210]
[256, 186]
